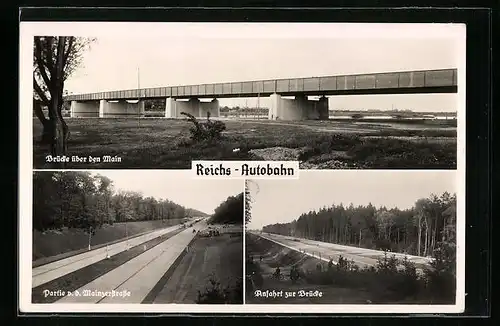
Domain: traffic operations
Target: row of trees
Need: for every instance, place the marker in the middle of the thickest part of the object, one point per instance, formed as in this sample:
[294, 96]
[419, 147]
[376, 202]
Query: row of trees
[229, 211]
[77, 199]
[244, 110]
[416, 230]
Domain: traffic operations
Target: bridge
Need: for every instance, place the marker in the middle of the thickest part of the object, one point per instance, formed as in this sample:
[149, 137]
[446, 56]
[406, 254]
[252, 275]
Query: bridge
[187, 98]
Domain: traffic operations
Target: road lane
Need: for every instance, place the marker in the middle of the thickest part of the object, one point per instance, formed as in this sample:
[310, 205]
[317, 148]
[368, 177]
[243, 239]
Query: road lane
[46, 273]
[361, 256]
[142, 282]
[138, 275]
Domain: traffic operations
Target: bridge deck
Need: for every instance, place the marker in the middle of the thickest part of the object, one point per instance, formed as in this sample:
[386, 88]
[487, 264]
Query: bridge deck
[425, 81]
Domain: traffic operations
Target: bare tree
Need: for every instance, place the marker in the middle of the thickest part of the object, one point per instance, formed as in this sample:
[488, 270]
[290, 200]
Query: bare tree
[249, 199]
[54, 60]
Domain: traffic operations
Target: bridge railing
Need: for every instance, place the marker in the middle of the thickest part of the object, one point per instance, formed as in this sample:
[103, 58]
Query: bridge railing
[391, 80]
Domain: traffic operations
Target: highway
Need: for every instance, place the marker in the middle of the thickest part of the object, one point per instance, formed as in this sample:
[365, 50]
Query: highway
[46, 273]
[138, 276]
[326, 251]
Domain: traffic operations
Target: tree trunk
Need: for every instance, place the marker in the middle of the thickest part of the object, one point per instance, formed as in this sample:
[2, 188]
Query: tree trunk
[59, 127]
[433, 245]
[46, 137]
[90, 237]
[444, 232]
[419, 235]
[426, 237]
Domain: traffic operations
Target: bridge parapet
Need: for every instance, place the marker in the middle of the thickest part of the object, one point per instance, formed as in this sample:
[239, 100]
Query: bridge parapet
[425, 81]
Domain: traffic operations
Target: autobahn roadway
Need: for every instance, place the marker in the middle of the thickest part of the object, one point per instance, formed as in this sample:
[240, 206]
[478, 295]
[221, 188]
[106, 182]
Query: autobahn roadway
[326, 251]
[48, 272]
[137, 276]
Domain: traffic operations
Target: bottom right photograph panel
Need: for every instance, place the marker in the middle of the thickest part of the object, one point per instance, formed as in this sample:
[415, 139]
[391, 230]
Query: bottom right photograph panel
[352, 237]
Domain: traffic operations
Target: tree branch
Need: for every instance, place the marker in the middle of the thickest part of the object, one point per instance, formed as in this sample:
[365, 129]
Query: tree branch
[40, 92]
[38, 112]
[39, 61]
[68, 51]
[50, 62]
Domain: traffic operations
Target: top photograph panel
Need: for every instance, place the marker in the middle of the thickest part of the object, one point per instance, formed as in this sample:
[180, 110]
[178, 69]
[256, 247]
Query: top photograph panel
[159, 95]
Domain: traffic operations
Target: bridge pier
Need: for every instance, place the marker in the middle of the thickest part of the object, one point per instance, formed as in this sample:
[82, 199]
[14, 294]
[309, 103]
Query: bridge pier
[193, 106]
[85, 109]
[122, 108]
[299, 108]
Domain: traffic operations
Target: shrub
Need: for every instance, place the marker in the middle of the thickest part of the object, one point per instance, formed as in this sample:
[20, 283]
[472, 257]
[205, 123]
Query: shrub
[216, 294]
[205, 131]
[441, 277]
[410, 282]
[387, 265]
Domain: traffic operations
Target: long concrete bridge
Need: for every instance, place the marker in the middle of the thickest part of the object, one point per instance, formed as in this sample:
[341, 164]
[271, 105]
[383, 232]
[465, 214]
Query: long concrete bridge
[187, 98]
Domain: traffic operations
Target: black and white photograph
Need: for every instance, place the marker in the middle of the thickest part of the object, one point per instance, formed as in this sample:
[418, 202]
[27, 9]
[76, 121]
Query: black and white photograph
[125, 237]
[354, 237]
[119, 215]
[331, 96]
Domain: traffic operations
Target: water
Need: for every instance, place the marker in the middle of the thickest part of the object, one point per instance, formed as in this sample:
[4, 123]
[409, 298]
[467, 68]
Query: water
[390, 117]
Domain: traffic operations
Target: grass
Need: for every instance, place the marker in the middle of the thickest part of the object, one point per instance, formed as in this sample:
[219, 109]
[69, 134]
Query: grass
[51, 245]
[210, 262]
[163, 143]
[79, 278]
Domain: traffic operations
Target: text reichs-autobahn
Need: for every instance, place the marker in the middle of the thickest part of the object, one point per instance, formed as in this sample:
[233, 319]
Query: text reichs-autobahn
[245, 170]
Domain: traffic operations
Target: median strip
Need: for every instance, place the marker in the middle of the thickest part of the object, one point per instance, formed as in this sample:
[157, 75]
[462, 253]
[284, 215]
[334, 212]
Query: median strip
[79, 278]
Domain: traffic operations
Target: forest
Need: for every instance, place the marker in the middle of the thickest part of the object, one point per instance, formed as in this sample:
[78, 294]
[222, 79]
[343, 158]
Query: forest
[82, 200]
[229, 211]
[416, 231]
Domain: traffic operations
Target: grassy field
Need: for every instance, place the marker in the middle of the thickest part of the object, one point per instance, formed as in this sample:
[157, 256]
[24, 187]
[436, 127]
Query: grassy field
[53, 245]
[218, 259]
[163, 143]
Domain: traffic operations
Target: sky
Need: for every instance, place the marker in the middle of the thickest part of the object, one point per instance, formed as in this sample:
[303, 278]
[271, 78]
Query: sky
[128, 55]
[177, 186]
[281, 201]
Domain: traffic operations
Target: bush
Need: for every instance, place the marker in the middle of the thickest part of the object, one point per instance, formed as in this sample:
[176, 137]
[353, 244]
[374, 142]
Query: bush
[387, 265]
[208, 130]
[216, 294]
[345, 265]
[391, 279]
[441, 277]
[253, 274]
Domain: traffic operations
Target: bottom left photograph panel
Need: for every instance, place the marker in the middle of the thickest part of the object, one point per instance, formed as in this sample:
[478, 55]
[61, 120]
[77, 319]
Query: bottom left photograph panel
[151, 237]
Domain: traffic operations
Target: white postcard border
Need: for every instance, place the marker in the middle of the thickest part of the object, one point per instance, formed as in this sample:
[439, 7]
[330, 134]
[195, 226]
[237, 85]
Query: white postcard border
[28, 30]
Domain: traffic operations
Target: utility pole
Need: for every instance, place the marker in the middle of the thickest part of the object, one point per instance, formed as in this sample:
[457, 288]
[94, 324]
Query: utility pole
[258, 106]
[138, 89]
[126, 233]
